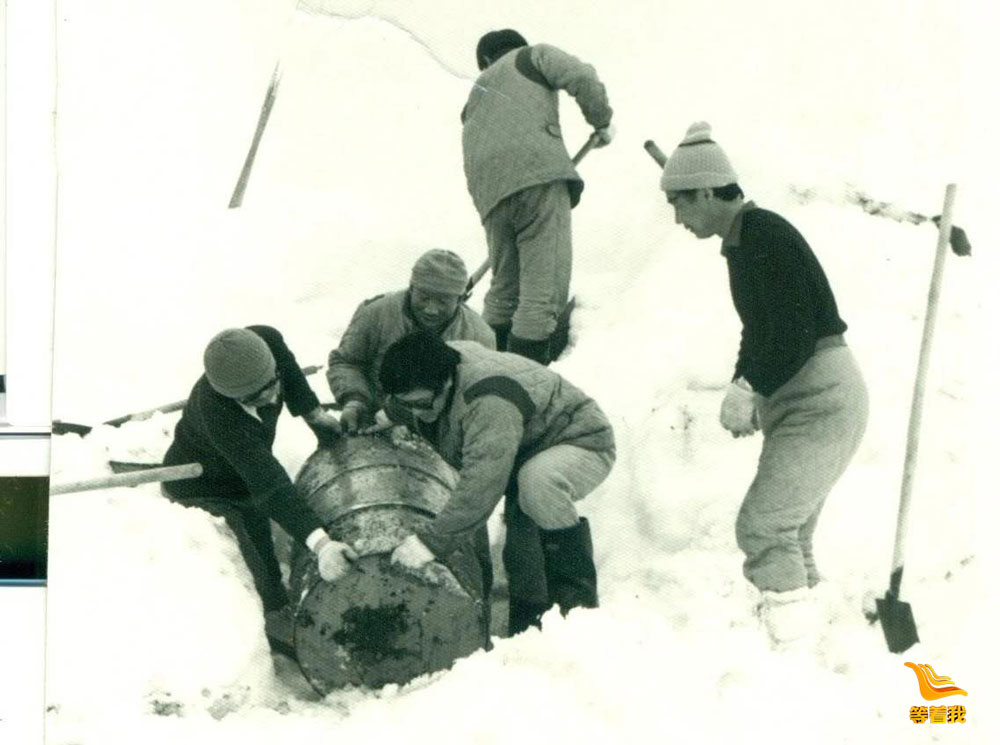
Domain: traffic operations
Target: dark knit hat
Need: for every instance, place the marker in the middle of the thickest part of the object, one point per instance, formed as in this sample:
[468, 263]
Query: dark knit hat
[238, 363]
[494, 44]
[418, 360]
[440, 270]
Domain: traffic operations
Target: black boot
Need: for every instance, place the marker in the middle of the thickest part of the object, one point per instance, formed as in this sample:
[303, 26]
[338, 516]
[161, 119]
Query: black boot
[534, 349]
[501, 331]
[560, 337]
[569, 566]
[523, 614]
[524, 564]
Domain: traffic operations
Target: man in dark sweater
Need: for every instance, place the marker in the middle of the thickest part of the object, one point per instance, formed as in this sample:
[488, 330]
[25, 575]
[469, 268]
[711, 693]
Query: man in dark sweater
[228, 426]
[795, 379]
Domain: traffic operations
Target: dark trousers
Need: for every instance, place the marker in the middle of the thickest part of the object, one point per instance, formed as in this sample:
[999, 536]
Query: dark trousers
[252, 529]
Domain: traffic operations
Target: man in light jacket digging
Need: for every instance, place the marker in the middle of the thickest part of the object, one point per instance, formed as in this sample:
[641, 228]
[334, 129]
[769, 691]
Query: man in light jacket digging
[523, 182]
[435, 301]
[508, 425]
[795, 379]
[228, 426]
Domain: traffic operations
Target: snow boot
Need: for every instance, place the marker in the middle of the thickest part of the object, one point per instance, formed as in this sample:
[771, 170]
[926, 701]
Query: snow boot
[279, 626]
[501, 331]
[569, 566]
[560, 337]
[534, 349]
[791, 619]
[524, 564]
[523, 614]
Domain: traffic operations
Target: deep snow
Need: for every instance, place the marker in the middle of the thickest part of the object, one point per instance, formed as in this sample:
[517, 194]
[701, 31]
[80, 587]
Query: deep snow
[153, 629]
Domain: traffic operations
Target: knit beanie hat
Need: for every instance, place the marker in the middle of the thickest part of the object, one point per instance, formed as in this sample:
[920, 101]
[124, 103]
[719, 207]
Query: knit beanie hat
[697, 163]
[495, 43]
[439, 270]
[238, 362]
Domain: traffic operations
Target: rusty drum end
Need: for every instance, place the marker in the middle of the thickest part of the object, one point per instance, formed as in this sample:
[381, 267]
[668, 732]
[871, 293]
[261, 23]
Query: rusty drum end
[380, 625]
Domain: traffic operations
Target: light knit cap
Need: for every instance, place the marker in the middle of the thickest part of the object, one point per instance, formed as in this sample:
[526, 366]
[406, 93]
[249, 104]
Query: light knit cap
[697, 163]
[238, 362]
[439, 270]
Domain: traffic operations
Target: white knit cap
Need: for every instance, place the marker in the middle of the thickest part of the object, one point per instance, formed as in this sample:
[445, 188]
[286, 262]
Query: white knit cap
[697, 163]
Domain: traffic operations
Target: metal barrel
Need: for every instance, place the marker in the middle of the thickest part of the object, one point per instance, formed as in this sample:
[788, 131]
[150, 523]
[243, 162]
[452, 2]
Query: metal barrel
[381, 623]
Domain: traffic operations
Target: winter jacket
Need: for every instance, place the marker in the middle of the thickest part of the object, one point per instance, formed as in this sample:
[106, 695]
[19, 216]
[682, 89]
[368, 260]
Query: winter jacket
[378, 322]
[234, 448]
[781, 295]
[502, 410]
[511, 137]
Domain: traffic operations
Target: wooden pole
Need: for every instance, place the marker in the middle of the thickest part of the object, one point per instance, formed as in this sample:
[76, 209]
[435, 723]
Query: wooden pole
[916, 407]
[134, 478]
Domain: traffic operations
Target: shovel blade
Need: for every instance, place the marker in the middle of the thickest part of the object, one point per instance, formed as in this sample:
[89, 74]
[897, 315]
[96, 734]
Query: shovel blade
[898, 625]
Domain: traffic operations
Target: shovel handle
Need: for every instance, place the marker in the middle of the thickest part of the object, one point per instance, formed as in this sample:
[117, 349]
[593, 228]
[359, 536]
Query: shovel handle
[655, 153]
[916, 406]
[134, 478]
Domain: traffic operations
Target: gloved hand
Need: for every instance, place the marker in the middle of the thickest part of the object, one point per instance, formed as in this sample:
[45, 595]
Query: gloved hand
[354, 416]
[333, 558]
[739, 409]
[605, 135]
[324, 425]
[412, 553]
[382, 423]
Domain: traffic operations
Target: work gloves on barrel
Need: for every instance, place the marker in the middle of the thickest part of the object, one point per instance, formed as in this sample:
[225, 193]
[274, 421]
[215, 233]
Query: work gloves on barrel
[324, 425]
[739, 409]
[412, 553]
[355, 416]
[333, 557]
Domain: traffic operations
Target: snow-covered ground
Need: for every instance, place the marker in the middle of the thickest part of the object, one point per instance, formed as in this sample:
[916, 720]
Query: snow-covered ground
[154, 632]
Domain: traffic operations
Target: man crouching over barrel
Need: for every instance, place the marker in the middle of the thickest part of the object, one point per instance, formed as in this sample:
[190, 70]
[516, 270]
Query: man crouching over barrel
[229, 425]
[505, 423]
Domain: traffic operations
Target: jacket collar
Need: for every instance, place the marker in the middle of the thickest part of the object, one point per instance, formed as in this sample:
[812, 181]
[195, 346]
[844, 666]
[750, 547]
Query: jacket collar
[732, 239]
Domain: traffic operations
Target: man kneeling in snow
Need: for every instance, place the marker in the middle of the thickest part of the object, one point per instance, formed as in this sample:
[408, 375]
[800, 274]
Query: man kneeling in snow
[795, 379]
[508, 424]
[228, 426]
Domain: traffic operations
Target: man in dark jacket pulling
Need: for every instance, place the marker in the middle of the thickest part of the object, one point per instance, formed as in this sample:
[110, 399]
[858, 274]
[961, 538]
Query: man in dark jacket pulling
[523, 182]
[502, 419]
[228, 426]
[795, 379]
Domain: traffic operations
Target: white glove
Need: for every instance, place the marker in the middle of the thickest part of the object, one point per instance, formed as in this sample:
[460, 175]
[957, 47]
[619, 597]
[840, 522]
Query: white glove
[324, 420]
[334, 558]
[412, 553]
[353, 416]
[739, 409]
[382, 423]
[605, 135]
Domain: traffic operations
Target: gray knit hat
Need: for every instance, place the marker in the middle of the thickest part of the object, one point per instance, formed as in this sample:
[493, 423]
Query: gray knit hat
[440, 270]
[238, 363]
[697, 163]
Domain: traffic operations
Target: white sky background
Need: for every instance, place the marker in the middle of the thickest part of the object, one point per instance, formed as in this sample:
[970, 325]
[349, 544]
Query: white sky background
[360, 171]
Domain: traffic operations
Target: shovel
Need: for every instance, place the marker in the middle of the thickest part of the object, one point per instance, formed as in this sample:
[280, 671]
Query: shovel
[896, 616]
